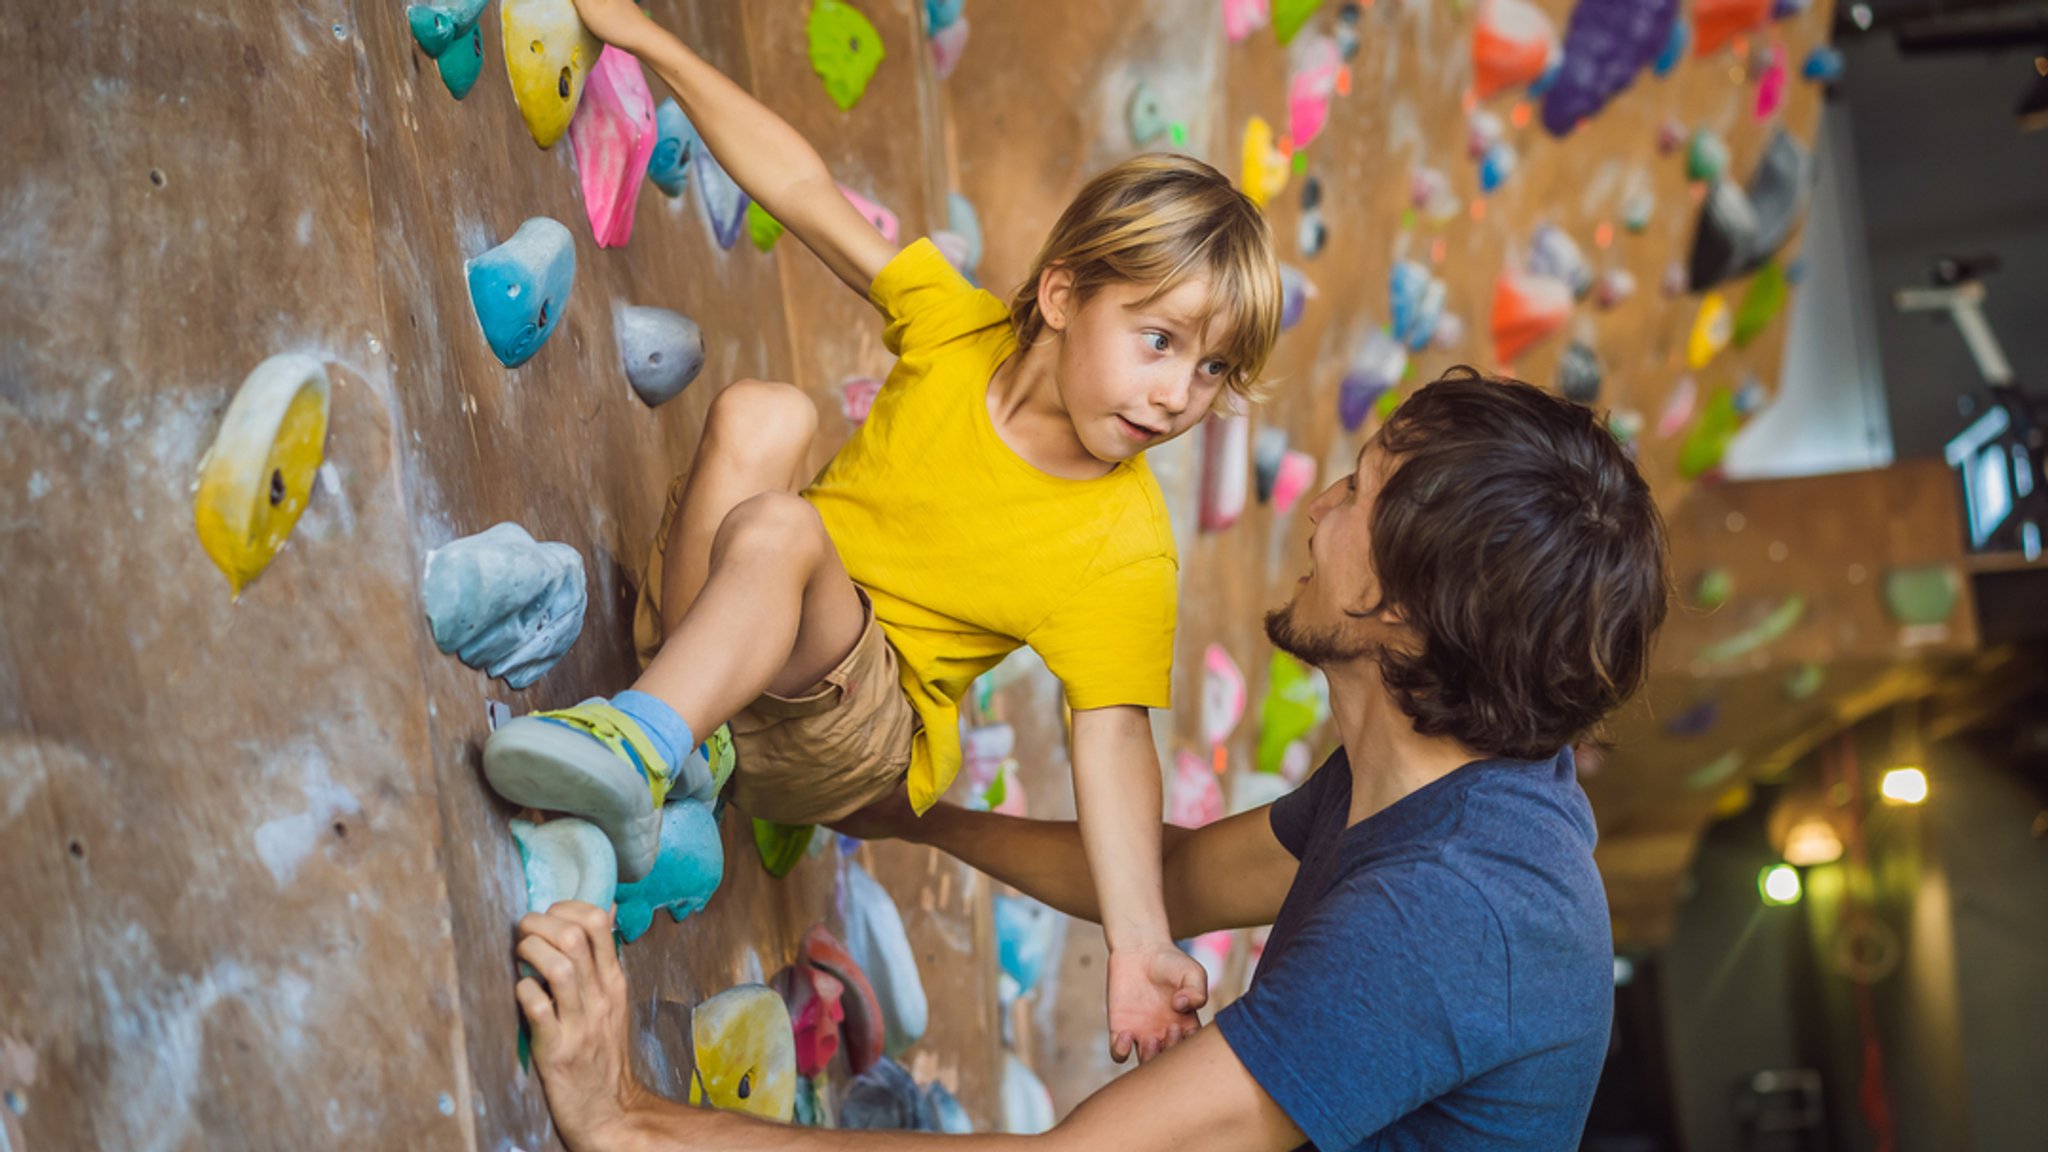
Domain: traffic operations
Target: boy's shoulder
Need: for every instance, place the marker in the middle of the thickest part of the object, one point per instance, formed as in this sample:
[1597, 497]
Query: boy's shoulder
[925, 301]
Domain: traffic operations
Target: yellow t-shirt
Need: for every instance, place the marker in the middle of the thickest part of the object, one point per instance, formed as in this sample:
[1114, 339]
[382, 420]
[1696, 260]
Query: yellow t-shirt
[969, 552]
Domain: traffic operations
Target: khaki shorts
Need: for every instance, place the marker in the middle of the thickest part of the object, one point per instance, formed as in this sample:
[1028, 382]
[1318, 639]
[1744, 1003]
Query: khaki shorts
[816, 757]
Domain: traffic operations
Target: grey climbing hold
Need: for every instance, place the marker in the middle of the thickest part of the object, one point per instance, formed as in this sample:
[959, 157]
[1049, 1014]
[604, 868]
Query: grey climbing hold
[502, 602]
[664, 351]
[566, 859]
[1579, 375]
[876, 941]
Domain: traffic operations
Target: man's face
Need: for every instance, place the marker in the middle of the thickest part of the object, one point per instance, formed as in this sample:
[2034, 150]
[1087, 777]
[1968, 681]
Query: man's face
[1325, 622]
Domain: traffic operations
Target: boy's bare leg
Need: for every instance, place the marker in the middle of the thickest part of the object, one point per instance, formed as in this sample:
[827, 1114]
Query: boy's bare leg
[754, 597]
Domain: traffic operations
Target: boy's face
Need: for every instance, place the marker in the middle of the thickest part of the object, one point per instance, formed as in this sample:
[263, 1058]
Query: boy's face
[1322, 624]
[1135, 373]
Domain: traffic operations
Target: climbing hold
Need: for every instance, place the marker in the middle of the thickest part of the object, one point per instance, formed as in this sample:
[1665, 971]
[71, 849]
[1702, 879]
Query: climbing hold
[1450, 332]
[1526, 309]
[883, 219]
[1761, 303]
[876, 941]
[258, 474]
[1624, 424]
[663, 351]
[764, 230]
[1724, 238]
[504, 603]
[1311, 85]
[1923, 595]
[857, 397]
[613, 134]
[548, 54]
[1226, 448]
[1195, 798]
[1770, 85]
[1514, 43]
[1311, 233]
[521, 288]
[566, 859]
[962, 221]
[1027, 1105]
[1805, 680]
[845, 50]
[448, 32]
[1777, 191]
[1496, 166]
[1712, 328]
[1616, 285]
[1701, 450]
[946, 1110]
[942, 13]
[811, 1110]
[1243, 17]
[1697, 720]
[1269, 447]
[1578, 374]
[1026, 932]
[746, 1053]
[1296, 290]
[1771, 627]
[1416, 303]
[1715, 772]
[1375, 369]
[1636, 211]
[1715, 587]
[1222, 694]
[1606, 43]
[725, 206]
[885, 1098]
[676, 142]
[1265, 166]
[1290, 15]
[1145, 115]
[1554, 254]
[1706, 156]
[816, 1011]
[1297, 699]
[1483, 130]
[949, 44]
[1429, 192]
[1676, 41]
[1823, 65]
[1678, 408]
[863, 1029]
[1716, 22]
[1751, 396]
[687, 870]
[781, 845]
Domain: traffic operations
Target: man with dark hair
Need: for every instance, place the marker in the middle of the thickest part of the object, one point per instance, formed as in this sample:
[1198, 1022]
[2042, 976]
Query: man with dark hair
[1482, 590]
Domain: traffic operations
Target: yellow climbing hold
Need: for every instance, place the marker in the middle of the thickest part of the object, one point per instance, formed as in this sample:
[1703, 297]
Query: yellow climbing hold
[1711, 330]
[746, 1053]
[1266, 165]
[258, 475]
[548, 53]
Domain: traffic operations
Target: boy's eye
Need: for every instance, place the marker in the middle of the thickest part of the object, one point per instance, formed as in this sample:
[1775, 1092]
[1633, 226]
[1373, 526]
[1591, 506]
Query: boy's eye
[1216, 368]
[1157, 341]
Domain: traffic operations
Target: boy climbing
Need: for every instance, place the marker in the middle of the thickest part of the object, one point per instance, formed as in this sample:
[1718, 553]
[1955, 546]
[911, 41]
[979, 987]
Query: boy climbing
[996, 496]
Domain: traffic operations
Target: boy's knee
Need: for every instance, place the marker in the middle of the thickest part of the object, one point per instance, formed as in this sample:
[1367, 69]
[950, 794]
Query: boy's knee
[775, 523]
[763, 421]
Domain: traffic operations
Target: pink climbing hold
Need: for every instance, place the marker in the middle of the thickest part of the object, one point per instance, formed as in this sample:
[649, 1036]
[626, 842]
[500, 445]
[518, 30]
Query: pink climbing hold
[1310, 90]
[1226, 463]
[1196, 797]
[1297, 475]
[857, 397]
[613, 135]
[948, 45]
[883, 219]
[1770, 88]
[1241, 18]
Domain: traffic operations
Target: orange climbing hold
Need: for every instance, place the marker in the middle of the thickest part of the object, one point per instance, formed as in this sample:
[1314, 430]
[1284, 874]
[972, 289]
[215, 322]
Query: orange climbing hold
[1513, 44]
[1716, 22]
[1526, 309]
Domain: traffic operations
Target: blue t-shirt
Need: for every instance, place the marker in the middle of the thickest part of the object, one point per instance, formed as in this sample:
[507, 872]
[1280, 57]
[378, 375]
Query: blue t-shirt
[1441, 975]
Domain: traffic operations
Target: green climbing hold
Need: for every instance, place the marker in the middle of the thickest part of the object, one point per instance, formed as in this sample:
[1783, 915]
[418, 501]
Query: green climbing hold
[1803, 681]
[1292, 707]
[1706, 157]
[845, 50]
[764, 230]
[1761, 303]
[1708, 439]
[781, 845]
[1779, 622]
[1714, 589]
[1290, 15]
[1388, 401]
[1714, 772]
[1923, 595]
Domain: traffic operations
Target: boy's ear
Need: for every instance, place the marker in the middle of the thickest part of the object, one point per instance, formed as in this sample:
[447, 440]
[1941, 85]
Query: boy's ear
[1056, 296]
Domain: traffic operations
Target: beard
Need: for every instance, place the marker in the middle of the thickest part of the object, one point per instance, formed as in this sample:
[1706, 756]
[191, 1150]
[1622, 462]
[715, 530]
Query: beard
[1320, 647]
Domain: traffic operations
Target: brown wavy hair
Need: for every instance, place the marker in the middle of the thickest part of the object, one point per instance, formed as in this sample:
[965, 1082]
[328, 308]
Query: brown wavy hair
[1518, 541]
[1157, 219]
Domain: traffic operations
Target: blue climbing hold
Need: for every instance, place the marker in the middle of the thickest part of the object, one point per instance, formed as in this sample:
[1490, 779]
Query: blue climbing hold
[686, 873]
[520, 288]
[942, 14]
[1675, 45]
[725, 205]
[505, 603]
[437, 25]
[1823, 65]
[675, 143]
[463, 62]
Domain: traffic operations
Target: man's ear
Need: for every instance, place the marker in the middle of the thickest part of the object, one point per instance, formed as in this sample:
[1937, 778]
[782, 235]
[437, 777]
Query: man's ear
[1056, 296]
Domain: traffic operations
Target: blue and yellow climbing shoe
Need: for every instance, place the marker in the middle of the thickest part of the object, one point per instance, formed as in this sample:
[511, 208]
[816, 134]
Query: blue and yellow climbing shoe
[592, 761]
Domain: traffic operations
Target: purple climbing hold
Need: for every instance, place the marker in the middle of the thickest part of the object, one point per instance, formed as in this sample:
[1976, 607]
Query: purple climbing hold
[1295, 293]
[1606, 43]
[1378, 367]
[1694, 721]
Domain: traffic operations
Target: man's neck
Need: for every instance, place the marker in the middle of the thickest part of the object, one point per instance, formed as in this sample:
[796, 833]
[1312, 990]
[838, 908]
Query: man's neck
[1389, 758]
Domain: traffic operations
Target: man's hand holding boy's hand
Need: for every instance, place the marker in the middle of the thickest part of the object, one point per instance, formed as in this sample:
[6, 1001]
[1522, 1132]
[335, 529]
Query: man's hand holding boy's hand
[1153, 994]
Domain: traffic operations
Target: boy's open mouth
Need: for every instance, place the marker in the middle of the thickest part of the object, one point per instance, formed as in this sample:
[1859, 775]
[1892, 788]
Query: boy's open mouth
[1138, 430]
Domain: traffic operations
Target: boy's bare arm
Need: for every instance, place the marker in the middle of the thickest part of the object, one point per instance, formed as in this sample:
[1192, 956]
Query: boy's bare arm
[768, 158]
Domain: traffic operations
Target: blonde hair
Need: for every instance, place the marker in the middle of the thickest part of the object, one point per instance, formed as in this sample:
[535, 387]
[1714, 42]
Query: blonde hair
[1157, 219]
